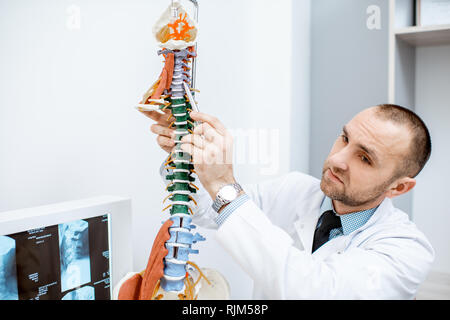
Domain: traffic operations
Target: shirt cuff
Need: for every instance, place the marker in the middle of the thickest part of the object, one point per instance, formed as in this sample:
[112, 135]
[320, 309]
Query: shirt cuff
[230, 208]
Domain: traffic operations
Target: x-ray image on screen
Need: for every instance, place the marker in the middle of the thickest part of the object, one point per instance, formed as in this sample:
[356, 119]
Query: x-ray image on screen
[8, 276]
[84, 293]
[69, 261]
[74, 254]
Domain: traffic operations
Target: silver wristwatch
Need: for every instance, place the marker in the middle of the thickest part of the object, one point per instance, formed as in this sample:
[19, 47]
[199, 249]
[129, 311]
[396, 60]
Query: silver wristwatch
[225, 195]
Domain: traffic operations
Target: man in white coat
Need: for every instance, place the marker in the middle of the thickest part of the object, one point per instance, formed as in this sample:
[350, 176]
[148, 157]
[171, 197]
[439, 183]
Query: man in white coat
[299, 237]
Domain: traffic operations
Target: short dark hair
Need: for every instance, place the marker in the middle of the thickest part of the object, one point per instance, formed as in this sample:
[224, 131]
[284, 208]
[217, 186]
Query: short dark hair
[420, 149]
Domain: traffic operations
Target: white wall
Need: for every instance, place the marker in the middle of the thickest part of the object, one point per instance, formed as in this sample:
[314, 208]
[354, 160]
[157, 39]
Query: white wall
[431, 212]
[68, 129]
[348, 69]
[301, 85]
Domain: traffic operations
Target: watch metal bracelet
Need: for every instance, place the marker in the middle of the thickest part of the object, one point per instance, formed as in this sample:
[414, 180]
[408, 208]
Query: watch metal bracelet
[219, 202]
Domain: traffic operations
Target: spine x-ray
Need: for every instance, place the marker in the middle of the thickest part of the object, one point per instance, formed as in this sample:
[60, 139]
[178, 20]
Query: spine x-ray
[69, 261]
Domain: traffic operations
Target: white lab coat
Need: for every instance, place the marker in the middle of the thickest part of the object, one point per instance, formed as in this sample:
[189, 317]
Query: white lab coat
[271, 235]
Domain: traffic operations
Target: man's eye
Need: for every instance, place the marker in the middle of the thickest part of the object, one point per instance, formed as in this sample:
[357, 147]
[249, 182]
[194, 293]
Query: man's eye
[365, 159]
[344, 138]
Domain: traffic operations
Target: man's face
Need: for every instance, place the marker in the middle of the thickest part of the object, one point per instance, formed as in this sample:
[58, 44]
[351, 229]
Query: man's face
[363, 161]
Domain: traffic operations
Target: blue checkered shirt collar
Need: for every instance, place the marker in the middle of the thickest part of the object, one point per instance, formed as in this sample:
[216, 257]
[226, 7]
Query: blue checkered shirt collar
[351, 221]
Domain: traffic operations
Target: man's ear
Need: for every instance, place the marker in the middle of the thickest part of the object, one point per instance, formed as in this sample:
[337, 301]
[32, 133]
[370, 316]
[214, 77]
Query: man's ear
[401, 186]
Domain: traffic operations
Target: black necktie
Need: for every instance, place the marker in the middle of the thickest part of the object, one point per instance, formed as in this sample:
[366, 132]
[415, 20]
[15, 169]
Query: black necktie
[329, 222]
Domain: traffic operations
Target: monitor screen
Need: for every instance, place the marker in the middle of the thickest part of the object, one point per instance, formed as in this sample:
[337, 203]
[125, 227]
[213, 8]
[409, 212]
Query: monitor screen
[67, 261]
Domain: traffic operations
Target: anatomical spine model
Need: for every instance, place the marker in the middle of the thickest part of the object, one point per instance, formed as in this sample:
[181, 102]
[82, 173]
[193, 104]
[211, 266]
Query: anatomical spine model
[181, 278]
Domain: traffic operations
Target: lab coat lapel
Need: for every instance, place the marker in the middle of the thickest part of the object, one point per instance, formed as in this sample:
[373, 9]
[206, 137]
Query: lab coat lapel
[339, 244]
[385, 209]
[335, 245]
[308, 215]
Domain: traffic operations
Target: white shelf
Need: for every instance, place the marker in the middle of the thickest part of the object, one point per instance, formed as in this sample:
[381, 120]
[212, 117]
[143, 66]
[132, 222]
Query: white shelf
[425, 36]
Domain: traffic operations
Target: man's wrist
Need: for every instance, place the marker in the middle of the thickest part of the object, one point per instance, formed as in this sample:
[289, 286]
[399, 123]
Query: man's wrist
[226, 194]
[225, 205]
[213, 189]
[231, 208]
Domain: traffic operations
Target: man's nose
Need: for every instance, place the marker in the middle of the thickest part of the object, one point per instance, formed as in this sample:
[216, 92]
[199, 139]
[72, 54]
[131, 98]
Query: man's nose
[339, 160]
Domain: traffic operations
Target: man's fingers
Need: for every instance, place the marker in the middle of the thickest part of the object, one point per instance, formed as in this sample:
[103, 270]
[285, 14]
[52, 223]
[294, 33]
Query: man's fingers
[209, 132]
[165, 142]
[194, 139]
[211, 120]
[209, 155]
[197, 154]
[163, 131]
[191, 149]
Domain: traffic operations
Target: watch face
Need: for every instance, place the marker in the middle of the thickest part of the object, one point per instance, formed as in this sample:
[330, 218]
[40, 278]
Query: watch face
[228, 193]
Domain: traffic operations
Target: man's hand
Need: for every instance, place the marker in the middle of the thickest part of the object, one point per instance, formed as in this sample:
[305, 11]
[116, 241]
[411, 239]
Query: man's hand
[166, 136]
[211, 147]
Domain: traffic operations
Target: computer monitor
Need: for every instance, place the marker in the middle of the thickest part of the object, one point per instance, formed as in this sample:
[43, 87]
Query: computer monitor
[76, 250]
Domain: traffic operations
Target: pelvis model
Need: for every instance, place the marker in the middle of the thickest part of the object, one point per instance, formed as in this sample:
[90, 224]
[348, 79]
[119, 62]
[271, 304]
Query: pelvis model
[169, 273]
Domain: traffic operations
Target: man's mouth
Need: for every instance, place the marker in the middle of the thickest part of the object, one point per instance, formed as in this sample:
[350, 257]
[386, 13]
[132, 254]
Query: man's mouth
[333, 177]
